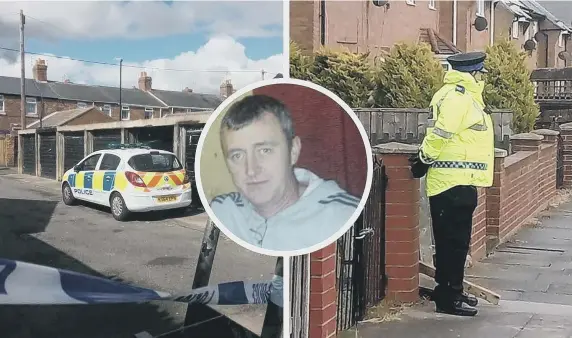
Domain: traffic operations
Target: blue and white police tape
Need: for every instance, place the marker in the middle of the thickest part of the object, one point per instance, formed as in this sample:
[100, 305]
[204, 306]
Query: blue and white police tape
[30, 284]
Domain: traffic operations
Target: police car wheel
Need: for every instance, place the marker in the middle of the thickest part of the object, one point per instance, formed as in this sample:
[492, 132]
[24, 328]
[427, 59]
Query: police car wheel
[67, 195]
[118, 207]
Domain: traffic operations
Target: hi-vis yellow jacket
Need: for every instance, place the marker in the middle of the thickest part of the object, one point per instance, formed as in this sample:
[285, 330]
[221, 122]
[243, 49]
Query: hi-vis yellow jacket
[460, 145]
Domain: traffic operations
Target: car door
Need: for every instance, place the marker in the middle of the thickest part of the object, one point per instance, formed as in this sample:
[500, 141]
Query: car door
[105, 177]
[83, 180]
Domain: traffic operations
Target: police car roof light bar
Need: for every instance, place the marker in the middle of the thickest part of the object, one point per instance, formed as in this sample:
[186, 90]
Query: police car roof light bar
[127, 146]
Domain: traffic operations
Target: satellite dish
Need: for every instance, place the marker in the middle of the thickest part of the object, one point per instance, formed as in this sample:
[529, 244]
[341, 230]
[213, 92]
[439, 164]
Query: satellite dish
[481, 23]
[380, 3]
[538, 36]
[529, 45]
[563, 55]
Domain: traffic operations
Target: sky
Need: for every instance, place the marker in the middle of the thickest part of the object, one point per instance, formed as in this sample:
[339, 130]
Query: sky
[194, 44]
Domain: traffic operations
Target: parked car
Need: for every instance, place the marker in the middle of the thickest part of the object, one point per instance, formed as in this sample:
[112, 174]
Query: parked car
[129, 178]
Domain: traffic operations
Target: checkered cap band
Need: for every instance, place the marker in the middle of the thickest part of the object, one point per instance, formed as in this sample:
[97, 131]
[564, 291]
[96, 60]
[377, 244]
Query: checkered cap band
[460, 165]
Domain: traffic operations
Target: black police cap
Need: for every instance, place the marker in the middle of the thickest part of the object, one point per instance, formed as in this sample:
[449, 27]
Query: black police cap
[466, 59]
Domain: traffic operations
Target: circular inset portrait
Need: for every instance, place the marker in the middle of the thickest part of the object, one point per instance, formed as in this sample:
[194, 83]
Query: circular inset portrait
[284, 167]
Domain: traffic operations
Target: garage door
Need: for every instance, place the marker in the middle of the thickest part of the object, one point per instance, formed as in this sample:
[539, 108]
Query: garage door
[192, 140]
[29, 154]
[102, 139]
[48, 155]
[73, 150]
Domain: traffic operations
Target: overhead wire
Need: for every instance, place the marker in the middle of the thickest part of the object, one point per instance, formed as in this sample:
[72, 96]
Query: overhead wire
[226, 71]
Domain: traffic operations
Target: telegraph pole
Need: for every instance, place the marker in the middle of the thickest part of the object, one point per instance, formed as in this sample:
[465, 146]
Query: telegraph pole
[22, 73]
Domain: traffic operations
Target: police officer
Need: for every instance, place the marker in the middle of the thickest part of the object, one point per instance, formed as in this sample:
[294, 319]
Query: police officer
[457, 155]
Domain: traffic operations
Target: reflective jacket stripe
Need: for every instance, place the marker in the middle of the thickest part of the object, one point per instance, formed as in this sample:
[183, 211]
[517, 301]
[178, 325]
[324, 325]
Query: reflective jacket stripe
[460, 165]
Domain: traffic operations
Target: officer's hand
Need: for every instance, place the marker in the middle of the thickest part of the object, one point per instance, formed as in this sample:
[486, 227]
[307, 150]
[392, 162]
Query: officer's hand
[418, 168]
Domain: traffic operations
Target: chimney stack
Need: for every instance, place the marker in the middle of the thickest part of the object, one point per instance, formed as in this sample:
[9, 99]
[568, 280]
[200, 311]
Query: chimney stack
[187, 90]
[226, 89]
[145, 82]
[40, 71]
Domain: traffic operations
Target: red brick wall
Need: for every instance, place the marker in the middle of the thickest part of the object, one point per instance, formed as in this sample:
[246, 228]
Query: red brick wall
[524, 184]
[401, 229]
[332, 147]
[479, 236]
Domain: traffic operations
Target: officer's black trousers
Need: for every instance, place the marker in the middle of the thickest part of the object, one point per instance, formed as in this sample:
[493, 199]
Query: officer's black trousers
[452, 219]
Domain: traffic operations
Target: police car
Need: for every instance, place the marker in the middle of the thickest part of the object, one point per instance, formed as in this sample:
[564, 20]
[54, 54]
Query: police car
[128, 178]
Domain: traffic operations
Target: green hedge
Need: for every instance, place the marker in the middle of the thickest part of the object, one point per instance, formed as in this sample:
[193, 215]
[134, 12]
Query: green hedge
[410, 74]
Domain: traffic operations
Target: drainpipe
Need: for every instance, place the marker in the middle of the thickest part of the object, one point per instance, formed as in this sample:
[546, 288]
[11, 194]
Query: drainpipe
[323, 22]
[455, 22]
[492, 24]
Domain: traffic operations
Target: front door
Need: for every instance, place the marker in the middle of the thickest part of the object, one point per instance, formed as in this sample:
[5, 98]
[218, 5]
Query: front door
[82, 180]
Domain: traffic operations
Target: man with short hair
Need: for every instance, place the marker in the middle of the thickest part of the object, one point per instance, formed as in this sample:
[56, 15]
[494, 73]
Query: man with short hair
[457, 155]
[277, 206]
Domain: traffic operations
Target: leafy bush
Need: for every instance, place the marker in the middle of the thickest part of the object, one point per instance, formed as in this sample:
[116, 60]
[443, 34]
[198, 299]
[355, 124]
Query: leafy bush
[508, 85]
[347, 74]
[300, 64]
[408, 77]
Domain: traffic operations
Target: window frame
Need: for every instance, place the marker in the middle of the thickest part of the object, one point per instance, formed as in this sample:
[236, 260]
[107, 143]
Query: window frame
[128, 110]
[2, 105]
[104, 110]
[411, 2]
[111, 156]
[32, 100]
[149, 110]
[431, 4]
[82, 104]
[82, 163]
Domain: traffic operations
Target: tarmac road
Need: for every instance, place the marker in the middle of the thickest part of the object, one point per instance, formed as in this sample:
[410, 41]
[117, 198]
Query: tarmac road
[151, 251]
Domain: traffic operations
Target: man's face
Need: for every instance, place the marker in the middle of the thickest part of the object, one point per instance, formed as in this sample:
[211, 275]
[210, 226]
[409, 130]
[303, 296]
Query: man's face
[259, 159]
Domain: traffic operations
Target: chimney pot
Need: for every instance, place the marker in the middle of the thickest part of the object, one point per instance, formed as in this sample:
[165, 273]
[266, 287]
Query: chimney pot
[40, 71]
[145, 82]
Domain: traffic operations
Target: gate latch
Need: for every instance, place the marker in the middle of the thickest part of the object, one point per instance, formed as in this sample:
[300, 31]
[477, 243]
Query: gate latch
[364, 232]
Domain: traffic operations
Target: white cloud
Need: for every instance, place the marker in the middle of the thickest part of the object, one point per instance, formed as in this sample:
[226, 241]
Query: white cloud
[223, 22]
[219, 53]
[141, 19]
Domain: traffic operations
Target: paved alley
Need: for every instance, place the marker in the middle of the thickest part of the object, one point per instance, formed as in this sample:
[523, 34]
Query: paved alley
[532, 273]
[151, 251]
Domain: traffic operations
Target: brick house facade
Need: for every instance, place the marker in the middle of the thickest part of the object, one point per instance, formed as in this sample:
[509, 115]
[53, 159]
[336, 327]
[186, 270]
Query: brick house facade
[44, 97]
[361, 26]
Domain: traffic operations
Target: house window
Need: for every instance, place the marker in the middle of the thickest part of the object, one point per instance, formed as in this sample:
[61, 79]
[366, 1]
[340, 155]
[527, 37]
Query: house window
[480, 8]
[82, 105]
[125, 113]
[432, 4]
[515, 30]
[106, 109]
[31, 106]
[1, 104]
[561, 40]
[411, 2]
[148, 113]
[189, 110]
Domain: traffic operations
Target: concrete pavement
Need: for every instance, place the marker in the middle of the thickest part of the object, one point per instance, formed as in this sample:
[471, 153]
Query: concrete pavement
[151, 251]
[533, 274]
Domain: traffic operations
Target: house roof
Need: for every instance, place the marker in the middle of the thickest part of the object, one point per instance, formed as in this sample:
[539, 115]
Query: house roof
[182, 99]
[103, 94]
[439, 45]
[534, 7]
[61, 118]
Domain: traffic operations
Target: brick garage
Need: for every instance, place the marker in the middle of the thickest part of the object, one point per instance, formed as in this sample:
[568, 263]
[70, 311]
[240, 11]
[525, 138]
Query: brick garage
[333, 148]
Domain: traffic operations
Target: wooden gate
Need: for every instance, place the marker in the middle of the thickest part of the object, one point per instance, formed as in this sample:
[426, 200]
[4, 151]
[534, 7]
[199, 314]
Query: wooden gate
[3, 151]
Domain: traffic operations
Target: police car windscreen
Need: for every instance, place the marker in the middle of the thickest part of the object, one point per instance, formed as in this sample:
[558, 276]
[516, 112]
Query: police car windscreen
[155, 162]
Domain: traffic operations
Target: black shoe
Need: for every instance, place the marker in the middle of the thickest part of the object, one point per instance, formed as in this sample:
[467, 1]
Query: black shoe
[456, 308]
[468, 299]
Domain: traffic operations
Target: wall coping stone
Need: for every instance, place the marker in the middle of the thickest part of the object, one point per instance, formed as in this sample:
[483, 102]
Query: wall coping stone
[546, 132]
[566, 126]
[395, 148]
[500, 152]
[527, 136]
